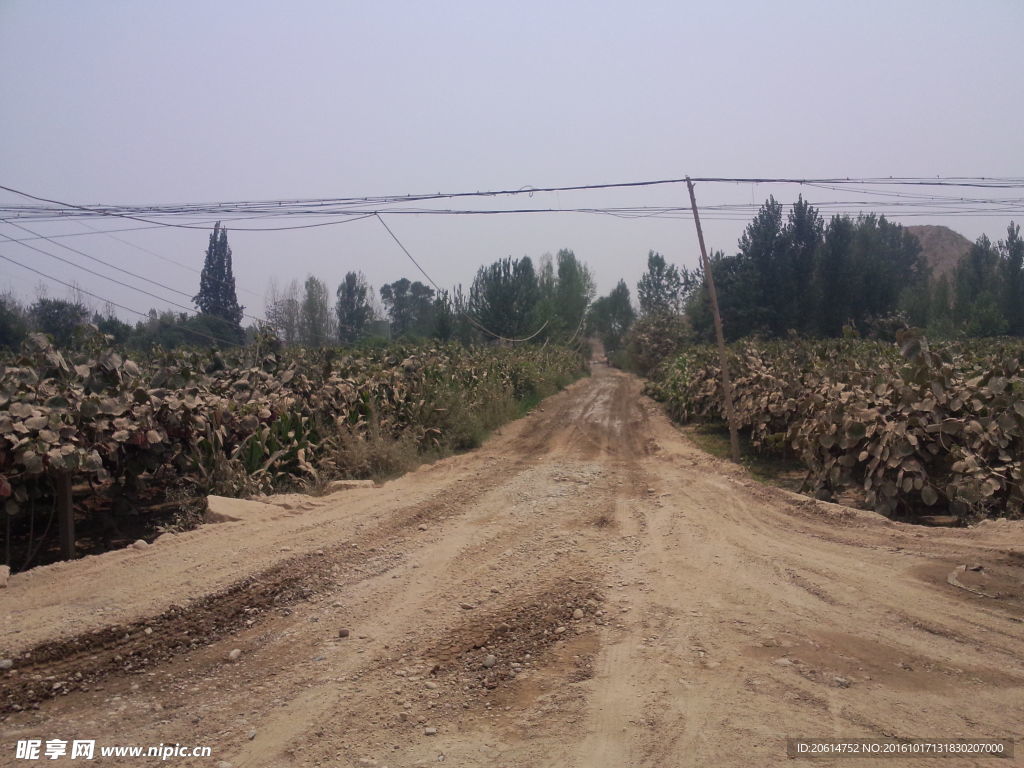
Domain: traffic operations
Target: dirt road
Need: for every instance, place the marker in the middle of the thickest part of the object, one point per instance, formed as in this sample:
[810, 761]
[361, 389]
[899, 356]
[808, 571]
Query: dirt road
[587, 589]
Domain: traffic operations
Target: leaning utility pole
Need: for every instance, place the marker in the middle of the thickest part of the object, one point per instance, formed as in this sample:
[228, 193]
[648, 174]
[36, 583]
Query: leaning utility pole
[734, 442]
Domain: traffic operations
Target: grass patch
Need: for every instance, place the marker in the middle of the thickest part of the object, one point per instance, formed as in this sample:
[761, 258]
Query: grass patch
[781, 471]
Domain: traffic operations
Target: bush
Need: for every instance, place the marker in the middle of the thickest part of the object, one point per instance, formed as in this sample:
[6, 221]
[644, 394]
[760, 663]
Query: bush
[242, 421]
[917, 426]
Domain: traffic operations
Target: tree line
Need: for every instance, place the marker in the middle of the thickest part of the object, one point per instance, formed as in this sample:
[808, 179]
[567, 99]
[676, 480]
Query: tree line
[797, 274]
[507, 299]
[792, 273]
[861, 276]
[511, 298]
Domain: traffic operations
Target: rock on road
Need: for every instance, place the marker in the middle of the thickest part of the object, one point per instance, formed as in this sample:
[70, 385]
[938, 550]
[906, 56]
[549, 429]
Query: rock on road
[587, 589]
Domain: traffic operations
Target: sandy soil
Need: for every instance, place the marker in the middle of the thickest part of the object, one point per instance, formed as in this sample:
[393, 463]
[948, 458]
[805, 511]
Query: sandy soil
[587, 589]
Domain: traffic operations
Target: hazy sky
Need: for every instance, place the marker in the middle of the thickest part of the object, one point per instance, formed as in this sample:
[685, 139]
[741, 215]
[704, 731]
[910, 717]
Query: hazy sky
[139, 102]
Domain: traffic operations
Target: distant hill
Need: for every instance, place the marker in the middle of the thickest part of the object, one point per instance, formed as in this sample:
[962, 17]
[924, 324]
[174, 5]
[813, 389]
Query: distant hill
[941, 247]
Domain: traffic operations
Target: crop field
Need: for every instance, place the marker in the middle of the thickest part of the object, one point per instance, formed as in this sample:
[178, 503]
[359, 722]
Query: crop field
[127, 432]
[919, 427]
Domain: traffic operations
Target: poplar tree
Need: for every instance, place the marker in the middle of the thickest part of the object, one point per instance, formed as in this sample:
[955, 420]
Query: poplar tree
[217, 295]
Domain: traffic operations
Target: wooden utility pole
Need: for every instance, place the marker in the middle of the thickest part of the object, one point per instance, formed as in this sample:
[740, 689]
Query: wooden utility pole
[709, 280]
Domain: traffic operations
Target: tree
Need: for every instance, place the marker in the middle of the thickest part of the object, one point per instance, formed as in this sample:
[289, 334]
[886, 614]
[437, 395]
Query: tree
[58, 318]
[504, 297]
[217, 281]
[1012, 251]
[660, 290]
[763, 246]
[833, 277]
[799, 275]
[611, 317]
[802, 241]
[444, 317]
[462, 328]
[315, 314]
[977, 284]
[284, 309]
[884, 262]
[409, 306]
[565, 288]
[113, 326]
[13, 326]
[353, 309]
[740, 300]
[574, 290]
[662, 328]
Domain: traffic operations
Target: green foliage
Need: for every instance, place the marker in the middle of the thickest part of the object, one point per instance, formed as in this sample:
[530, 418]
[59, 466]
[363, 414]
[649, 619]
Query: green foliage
[978, 287]
[445, 317]
[242, 420]
[660, 290]
[110, 325]
[283, 312]
[797, 275]
[170, 330]
[1012, 295]
[216, 295]
[504, 297]
[611, 317]
[574, 290]
[661, 329]
[353, 309]
[410, 306]
[13, 323]
[315, 314]
[59, 319]
[934, 426]
[653, 339]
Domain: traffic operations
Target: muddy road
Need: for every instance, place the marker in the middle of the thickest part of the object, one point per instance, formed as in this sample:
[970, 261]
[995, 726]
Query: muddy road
[587, 589]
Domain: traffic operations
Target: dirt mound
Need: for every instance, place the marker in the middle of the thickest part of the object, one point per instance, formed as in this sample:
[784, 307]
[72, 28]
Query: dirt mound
[941, 247]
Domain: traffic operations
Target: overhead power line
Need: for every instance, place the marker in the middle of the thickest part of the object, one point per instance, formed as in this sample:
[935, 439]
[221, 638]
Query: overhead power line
[95, 258]
[111, 302]
[473, 321]
[344, 209]
[99, 274]
[154, 254]
[110, 266]
[74, 287]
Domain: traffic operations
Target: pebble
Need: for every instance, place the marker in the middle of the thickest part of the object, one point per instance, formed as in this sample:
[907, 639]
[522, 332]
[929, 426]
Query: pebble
[343, 633]
[252, 735]
[422, 527]
[784, 662]
[559, 630]
[148, 630]
[489, 661]
[140, 544]
[467, 606]
[235, 654]
[224, 764]
[578, 613]
[430, 731]
[430, 684]
[6, 663]
[5, 574]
